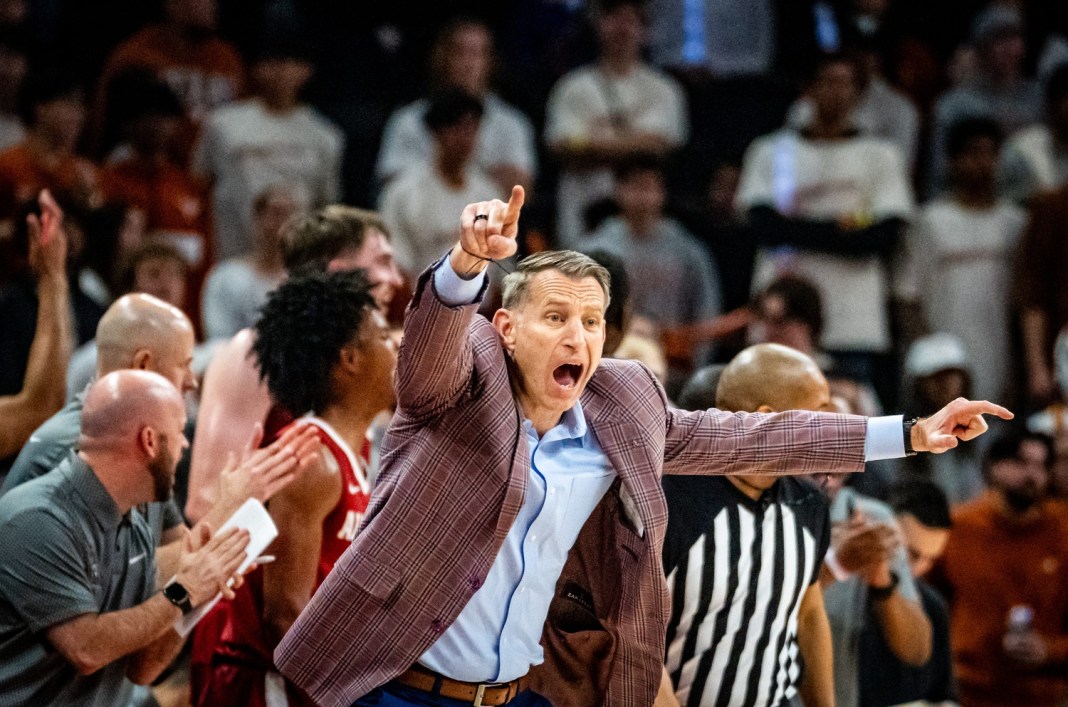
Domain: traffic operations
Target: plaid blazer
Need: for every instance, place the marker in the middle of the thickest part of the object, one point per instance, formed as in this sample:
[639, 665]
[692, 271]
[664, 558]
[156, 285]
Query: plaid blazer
[454, 469]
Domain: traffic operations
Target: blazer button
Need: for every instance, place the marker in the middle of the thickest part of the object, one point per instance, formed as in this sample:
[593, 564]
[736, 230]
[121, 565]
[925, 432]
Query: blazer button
[437, 626]
[474, 583]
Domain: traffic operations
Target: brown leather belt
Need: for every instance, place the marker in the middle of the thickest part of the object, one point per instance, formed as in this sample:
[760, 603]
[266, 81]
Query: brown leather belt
[478, 694]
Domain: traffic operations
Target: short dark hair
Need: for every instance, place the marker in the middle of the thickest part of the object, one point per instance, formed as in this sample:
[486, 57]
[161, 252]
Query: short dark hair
[801, 299]
[924, 501]
[619, 287]
[450, 106]
[150, 249]
[699, 391]
[848, 57]
[964, 131]
[302, 328]
[1057, 84]
[1007, 445]
[314, 240]
[43, 87]
[606, 7]
[637, 163]
[136, 93]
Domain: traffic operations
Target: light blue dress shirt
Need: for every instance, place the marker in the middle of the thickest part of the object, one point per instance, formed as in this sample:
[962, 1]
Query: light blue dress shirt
[497, 636]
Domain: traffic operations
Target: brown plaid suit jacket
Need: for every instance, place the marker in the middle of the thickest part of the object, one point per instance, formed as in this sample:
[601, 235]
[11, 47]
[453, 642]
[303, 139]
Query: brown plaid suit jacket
[454, 470]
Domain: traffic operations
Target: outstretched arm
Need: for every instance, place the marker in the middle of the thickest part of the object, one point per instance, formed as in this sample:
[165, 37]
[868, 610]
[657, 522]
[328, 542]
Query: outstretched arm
[43, 387]
[435, 359]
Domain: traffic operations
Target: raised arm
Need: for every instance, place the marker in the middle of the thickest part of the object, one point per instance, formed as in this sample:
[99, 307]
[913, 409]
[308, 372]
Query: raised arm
[43, 388]
[436, 360]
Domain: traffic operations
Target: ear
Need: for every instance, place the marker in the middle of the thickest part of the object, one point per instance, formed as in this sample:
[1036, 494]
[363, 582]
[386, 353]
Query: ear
[766, 408]
[504, 321]
[142, 360]
[148, 440]
[350, 358]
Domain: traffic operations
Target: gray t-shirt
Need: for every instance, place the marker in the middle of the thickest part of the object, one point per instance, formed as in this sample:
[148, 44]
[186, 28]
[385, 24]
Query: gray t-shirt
[847, 602]
[66, 551]
[53, 441]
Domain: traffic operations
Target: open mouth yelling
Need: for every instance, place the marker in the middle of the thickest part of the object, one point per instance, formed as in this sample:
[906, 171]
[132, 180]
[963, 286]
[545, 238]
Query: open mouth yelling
[567, 375]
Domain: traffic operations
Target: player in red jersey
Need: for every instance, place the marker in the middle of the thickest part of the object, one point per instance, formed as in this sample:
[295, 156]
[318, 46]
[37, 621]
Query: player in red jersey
[322, 346]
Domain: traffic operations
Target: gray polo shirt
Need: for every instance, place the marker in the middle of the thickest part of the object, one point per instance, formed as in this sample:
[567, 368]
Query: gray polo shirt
[53, 441]
[66, 551]
[847, 602]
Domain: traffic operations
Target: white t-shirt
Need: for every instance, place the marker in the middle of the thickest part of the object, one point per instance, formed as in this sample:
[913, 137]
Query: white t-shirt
[246, 149]
[505, 136]
[233, 294]
[423, 213]
[824, 180]
[958, 265]
[586, 103]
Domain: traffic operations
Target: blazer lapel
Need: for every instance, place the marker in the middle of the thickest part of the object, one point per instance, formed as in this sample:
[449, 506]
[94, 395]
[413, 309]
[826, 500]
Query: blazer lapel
[621, 442]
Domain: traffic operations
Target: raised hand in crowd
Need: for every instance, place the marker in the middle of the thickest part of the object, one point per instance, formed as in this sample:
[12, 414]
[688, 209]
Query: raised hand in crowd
[43, 387]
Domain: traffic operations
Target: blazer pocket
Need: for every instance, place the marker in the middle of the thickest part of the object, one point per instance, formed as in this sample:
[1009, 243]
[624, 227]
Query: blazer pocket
[373, 576]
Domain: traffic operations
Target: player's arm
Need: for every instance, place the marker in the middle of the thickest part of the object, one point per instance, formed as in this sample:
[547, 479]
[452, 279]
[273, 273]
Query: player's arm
[814, 640]
[298, 512]
[233, 402]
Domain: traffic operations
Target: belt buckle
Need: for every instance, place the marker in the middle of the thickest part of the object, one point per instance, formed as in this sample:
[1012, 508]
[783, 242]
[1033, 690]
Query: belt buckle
[478, 695]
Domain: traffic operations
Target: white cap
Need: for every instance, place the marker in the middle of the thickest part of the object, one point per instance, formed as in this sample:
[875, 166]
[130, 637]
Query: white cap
[934, 353]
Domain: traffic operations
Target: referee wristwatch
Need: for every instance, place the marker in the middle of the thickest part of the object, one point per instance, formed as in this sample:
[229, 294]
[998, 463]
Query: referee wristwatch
[907, 429]
[177, 595]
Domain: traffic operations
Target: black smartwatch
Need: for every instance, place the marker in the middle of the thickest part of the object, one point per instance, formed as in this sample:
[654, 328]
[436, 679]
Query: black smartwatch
[907, 428]
[883, 593]
[177, 595]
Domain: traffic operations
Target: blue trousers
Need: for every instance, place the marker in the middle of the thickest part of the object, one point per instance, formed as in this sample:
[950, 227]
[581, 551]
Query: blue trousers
[393, 694]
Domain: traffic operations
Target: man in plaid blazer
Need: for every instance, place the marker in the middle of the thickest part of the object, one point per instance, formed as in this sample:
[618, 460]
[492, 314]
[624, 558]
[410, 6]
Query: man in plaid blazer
[402, 610]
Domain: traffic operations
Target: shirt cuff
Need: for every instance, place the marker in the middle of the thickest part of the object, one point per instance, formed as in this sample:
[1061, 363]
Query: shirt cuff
[885, 438]
[453, 290]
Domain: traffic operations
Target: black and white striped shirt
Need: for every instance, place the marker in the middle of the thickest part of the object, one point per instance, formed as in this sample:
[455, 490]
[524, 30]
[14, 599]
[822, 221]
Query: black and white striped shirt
[737, 570]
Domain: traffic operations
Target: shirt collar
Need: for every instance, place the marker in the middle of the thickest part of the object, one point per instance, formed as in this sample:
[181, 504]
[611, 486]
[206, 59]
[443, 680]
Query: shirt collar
[572, 425]
[96, 498]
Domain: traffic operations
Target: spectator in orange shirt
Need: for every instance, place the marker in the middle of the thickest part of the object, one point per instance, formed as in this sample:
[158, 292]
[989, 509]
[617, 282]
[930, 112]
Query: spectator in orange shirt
[1004, 575]
[204, 70]
[172, 202]
[53, 110]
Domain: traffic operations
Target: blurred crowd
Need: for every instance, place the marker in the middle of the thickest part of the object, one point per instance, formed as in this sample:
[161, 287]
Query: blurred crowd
[881, 185]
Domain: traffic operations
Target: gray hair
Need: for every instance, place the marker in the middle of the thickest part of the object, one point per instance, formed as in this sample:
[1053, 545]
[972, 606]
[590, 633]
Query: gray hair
[566, 262]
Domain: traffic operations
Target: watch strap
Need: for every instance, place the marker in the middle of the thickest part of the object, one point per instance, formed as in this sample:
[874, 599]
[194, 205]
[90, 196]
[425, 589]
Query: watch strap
[178, 595]
[906, 428]
[883, 593]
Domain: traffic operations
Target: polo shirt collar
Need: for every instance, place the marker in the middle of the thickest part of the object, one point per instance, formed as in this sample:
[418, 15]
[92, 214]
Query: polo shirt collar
[96, 498]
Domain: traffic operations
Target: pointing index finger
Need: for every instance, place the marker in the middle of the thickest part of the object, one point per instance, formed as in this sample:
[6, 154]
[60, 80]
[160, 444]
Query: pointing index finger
[515, 203]
[983, 407]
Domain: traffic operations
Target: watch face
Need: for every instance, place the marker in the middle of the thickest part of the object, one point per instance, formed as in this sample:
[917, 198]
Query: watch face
[176, 592]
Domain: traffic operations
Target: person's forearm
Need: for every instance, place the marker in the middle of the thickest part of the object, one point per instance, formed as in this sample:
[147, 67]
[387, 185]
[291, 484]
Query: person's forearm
[167, 561]
[774, 229]
[146, 664]
[43, 389]
[1033, 326]
[906, 628]
[427, 378]
[93, 641]
[665, 696]
[607, 151]
[814, 640]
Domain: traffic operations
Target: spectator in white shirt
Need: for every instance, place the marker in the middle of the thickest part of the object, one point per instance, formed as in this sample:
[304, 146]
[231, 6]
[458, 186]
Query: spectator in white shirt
[237, 288]
[1035, 159]
[271, 138]
[421, 204]
[600, 115]
[505, 147]
[828, 204]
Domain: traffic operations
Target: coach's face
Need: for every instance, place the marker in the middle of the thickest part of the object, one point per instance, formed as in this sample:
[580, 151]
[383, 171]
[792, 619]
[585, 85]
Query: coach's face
[555, 336]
